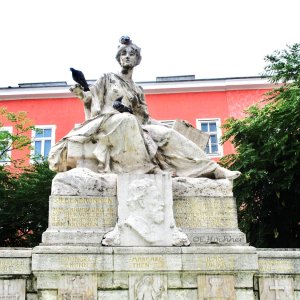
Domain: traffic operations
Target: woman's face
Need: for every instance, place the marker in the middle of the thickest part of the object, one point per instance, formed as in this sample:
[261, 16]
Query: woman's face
[128, 58]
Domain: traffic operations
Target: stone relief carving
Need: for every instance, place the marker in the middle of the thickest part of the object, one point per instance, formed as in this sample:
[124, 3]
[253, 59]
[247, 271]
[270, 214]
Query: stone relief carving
[77, 287]
[145, 213]
[148, 287]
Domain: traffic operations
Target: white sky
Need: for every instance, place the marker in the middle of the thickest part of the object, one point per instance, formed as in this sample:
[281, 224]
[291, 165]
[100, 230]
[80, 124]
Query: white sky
[42, 39]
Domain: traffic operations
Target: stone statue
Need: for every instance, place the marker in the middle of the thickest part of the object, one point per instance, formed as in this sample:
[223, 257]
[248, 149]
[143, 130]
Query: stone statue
[113, 142]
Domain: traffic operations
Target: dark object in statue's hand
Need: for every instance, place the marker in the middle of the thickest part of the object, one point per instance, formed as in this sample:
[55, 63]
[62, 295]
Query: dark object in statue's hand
[121, 107]
[79, 78]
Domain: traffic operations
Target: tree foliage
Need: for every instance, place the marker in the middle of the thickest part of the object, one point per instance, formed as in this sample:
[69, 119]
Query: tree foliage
[24, 202]
[18, 139]
[267, 143]
[24, 190]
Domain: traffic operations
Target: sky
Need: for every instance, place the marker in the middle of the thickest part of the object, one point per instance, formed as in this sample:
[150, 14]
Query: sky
[42, 39]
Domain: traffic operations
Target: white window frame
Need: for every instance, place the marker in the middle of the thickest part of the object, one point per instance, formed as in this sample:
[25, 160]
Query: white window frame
[8, 153]
[33, 138]
[219, 134]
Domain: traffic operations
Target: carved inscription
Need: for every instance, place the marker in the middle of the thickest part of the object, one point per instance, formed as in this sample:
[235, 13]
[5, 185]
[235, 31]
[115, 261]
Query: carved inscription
[276, 265]
[221, 239]
[82, 212]
[216, 262]
[147, 262]
[13, 265]
[76, 262]
[205, 212]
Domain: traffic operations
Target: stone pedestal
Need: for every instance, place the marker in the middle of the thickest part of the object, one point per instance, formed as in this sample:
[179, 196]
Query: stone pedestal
[84, 206]
[208, 272]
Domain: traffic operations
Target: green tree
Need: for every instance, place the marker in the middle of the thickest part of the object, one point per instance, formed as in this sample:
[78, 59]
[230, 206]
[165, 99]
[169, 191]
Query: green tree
[24, 190]
[24, 207]
[267, 143]
[18, 139]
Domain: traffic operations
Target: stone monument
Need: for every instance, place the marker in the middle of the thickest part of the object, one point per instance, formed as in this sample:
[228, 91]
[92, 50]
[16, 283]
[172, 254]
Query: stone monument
[138, 211]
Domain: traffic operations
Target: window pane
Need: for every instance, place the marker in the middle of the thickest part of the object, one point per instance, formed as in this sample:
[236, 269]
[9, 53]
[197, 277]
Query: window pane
[204, 127]
[37, 147]
[39, 133]
[47, 132]
[47, 148]
[212, 126]
[214, 148]
[213, 139]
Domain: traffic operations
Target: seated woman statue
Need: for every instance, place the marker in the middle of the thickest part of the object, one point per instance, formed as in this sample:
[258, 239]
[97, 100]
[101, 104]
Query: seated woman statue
[120, 136]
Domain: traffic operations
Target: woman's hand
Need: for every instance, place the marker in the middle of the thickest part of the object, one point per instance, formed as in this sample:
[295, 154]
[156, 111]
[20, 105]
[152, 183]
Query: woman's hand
[77, 90]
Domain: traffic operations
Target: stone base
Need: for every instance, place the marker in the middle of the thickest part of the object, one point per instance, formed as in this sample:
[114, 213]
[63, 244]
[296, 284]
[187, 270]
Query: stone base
[83, 207]
[192, 273]
[168, 273]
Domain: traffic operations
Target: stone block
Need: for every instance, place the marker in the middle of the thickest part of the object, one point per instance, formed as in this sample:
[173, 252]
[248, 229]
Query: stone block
[189, 280]
[72, 262]
[77, 286]
[30, 296]
[12, 289]
[218, 262]
[245, 294]
[84, 182]
[47, 295]
[113, 295]
[216, 287]
[244, 280]
[148, 286]
[183, 294]
[201, 187]
[105, 280]
[174, 281]
[206, 211]
[276, 288]
[197, 136]
[276, 265]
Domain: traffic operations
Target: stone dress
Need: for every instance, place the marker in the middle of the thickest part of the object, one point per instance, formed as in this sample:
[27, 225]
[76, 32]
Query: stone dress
[109, 141]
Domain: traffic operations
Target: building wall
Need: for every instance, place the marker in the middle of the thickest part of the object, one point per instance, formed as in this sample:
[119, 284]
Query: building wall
[64, 111]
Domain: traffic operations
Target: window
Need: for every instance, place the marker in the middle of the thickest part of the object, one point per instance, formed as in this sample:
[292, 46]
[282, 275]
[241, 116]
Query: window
[5, 156]
[212, 127]
[43, 138]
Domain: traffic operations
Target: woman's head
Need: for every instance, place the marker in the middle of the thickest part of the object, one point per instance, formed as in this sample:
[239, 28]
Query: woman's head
[126, 46]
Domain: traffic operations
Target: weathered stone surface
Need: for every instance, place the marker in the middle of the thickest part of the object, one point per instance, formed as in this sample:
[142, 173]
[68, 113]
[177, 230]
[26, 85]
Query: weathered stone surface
[205, 187]
[184, 294]
[245, 294]
[113, 295]
[276, 288]
[197, 136]
[145, 213]
[216, 287]
[77, 287]
[84, 182]
[148, 286]
[12, 289]
[48, 295]
[13, 261]
[219, 258]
